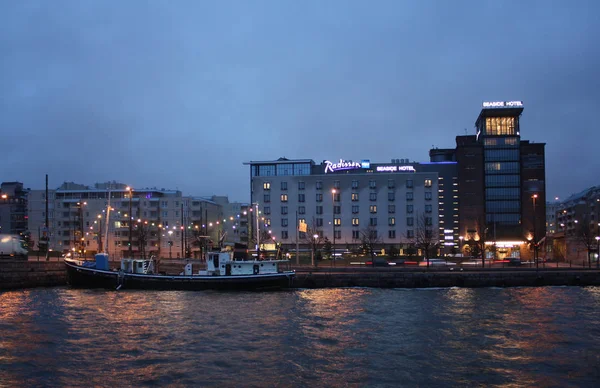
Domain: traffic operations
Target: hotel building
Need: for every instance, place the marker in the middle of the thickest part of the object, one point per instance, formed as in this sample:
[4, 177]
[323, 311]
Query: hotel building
[344, 198]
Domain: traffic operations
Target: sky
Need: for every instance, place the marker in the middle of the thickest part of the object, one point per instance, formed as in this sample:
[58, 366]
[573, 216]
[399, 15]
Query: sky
[179, 94]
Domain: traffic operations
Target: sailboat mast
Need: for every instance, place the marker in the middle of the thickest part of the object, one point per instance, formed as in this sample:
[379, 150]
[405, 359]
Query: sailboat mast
[107, 222]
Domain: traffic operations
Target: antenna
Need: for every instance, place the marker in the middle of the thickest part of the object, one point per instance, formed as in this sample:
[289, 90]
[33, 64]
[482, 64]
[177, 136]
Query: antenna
[465, 131]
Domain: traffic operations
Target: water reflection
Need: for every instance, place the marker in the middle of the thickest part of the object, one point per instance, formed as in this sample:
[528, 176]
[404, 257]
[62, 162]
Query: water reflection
[334, 337]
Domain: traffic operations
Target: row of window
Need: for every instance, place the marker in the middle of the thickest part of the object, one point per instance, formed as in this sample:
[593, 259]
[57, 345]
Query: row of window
[285, 169]
[356, 234]
[503, 167]
[410, 221]
[355, 209]
[336, 184]
[336, 197]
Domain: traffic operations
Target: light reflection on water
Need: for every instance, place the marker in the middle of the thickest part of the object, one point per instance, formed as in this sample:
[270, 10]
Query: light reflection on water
[512, 337]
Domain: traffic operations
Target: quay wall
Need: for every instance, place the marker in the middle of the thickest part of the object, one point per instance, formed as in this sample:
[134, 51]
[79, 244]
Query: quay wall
[17, 274]
[28, 274]
[470, 279]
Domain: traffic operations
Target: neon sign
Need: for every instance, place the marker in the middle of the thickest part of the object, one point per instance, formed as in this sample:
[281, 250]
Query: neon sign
[395, 168]
[503, 104]
[342, 165]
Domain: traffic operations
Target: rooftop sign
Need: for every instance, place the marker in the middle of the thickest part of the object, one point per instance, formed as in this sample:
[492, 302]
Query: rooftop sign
[395, 168]
[341, 165]
[503, 104]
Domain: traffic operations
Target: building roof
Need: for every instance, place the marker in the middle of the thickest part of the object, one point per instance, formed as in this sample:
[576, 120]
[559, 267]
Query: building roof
[279, 161]
[584, 194]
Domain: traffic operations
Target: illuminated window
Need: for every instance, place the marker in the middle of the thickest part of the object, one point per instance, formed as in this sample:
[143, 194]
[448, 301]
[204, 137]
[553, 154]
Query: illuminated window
[284, 197]
[373, 208]
[267, 186]
[355, 222]
[391, 221]
[338, 221]
[497, 126]
[427, 182]
[355, 196]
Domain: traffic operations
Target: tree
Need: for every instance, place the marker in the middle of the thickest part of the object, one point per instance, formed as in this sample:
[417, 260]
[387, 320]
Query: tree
[425, 237]
[314, 243]
[584, 234]
[393, 251]
[476, 239]
[369, 239]
[142, 235]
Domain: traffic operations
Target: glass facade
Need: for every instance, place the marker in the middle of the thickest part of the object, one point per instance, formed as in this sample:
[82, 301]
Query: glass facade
[502, 170]
[282, 169]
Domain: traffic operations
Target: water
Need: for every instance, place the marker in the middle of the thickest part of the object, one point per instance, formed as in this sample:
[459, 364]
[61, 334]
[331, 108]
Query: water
[542, 337]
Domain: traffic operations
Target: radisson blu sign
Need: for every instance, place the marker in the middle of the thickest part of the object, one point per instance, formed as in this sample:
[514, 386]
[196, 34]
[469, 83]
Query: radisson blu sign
[503, 104]
[341, 166]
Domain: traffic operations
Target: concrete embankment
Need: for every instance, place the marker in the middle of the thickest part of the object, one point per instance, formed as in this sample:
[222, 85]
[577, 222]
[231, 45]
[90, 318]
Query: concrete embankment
[423, 279]
[27, 274]
[15, 274]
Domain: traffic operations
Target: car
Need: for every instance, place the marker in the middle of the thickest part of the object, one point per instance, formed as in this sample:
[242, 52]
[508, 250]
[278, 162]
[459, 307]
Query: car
[437, 262]
[514, 262]
[379, 262]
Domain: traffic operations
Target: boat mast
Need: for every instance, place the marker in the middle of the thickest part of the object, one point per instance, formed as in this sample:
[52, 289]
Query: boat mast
[107, 217]
[257, 234]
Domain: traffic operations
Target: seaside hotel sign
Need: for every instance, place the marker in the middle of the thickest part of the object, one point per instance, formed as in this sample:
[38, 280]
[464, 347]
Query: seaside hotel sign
[503, 104]
[395, 168]
[341, 166]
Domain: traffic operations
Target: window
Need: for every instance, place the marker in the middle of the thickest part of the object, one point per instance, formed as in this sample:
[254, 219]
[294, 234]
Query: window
[283, 185]
[372, 184]
[319, 221]
[391, 196]
[284, 210]
[284, 222]
[319, 185]
[410, 221]
[267, 222]
[373, 209]
[409, 208]
[301, 210]
[355, 197]
[301, 185]
[391, 209]
[267, 186]
[428, 221]
[392, 234]
[336, 184]
[410, 233]
[355, 209]
[337, 221]
[355, 184]
[337, 210]
[355, 222]
[427, 182]
[391, 183]
[319, 209]
[267, 210]
[165, 214]
[284, 234]
[428, 195]
[409, 196]
[355, 235]
[391, 221]
[301, 197]
[409, 183]
[373, 221]
[267, 198]
[373, 196]
[428, 208]
[319, 197]
[284, 197]
[500, 125]
[338, 234]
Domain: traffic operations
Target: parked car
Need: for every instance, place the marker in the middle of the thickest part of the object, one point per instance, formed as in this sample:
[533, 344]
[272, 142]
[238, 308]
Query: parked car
[379, 262]
[514, 262]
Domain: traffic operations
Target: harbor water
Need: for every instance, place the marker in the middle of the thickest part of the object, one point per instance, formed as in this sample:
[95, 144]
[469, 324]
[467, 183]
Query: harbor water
[362, 337]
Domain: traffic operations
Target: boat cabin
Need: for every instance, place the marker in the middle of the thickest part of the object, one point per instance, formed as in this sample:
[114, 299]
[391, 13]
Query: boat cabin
[139, 266]
[220, 263]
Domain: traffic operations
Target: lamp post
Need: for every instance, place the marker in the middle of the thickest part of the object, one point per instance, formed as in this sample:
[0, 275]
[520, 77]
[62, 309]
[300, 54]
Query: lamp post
[313, 248]
[534, 198]
[130, 221]
[333, 191]
[598, 251]
[99, 233]
[460, 242]
[170, 244]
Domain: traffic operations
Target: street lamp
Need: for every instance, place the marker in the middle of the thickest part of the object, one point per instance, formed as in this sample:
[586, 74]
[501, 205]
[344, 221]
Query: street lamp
[130, 221]
[314, 247]
[170, 244]
[534, 198]
[333, 191]
[460, 242]
[99, 233]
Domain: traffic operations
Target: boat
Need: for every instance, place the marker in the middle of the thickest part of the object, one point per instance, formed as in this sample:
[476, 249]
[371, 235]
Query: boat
[222, 272]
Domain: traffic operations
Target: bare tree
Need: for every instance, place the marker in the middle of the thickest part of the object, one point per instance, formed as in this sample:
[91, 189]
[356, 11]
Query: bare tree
[369, 240]
[424, 237]
[308, 238]
[584, 234]
[142, 235]
[476, 239]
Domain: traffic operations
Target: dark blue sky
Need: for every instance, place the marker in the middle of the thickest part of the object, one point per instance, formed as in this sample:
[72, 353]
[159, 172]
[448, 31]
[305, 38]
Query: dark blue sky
[178, 94]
